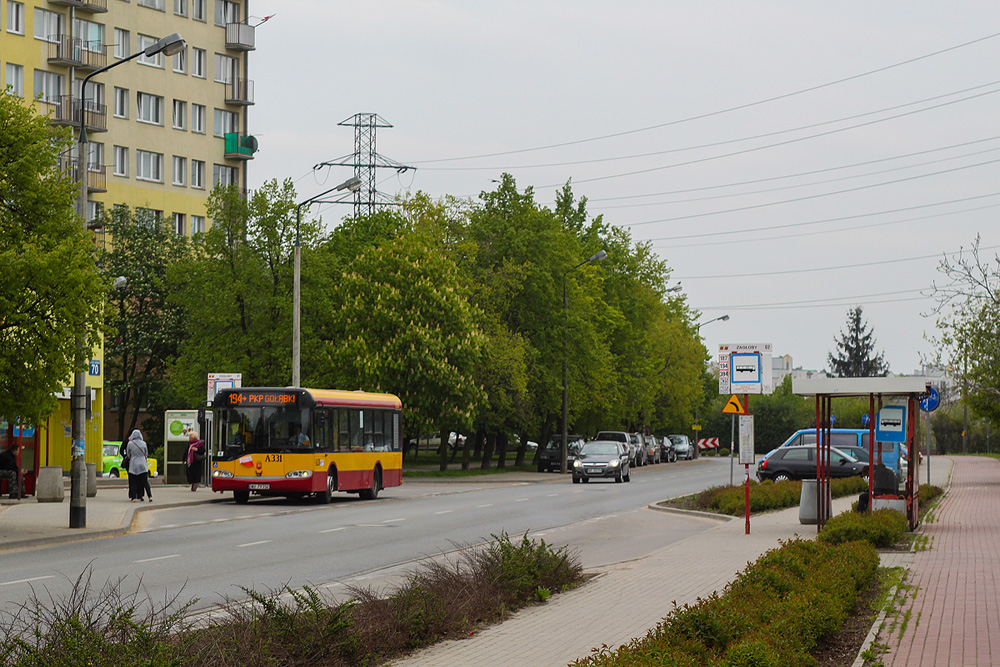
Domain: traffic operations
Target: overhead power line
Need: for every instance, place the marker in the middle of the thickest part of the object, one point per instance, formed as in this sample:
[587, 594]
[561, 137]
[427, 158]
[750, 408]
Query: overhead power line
[718, 112]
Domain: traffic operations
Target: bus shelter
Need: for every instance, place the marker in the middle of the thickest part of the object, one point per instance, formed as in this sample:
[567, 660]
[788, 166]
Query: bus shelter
[893, 404]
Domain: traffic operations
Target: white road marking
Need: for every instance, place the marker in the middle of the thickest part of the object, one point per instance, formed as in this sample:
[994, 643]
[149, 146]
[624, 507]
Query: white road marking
[149, 560]
[444, 512]
[333, 530]
[521, 500]
[393, 520]
[551, 495]
[24, 581]
[486, 505]
[252, 544]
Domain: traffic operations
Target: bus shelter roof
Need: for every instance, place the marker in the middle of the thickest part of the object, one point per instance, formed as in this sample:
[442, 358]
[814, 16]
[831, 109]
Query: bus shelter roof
[824, 386]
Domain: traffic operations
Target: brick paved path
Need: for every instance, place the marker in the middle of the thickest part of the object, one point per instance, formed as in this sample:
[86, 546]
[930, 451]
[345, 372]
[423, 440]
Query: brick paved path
[954, 604]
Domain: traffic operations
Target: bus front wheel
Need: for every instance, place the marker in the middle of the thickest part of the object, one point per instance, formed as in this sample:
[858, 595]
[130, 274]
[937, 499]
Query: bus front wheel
[326, 497]
[241, 497]
[372, 493]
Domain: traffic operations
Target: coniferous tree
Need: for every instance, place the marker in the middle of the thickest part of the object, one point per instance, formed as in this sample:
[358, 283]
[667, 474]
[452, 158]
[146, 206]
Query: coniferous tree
[856, 355]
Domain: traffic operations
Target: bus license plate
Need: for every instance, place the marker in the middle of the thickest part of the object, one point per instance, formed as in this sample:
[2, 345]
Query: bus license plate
[259, 487]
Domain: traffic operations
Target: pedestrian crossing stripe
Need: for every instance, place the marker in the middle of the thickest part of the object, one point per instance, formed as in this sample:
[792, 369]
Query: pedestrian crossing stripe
[734, 406]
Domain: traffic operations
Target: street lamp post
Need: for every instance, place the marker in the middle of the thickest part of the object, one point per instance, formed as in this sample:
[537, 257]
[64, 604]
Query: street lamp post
[598, 257]
[169, 45]
[721, 318]
[352, 184]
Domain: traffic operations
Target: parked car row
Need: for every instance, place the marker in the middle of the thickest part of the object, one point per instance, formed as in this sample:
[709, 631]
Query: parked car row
[639, 450]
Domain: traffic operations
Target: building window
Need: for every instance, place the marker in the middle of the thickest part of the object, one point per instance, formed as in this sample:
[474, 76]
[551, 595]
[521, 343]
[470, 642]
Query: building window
[198, 118]
[198, 174]
[154, 4]
[49, 85]
[150, 109]
[179, 168]
[142, 43]
[226, 12]
[197, 224]
[149, 166]
[180, 7]
[226, 121]
[121, 161]
[15, 79]
[198, 10]
[95, 93]
[95, 210]
[148, 217]
[95, 156]
[198, 59]
[226, 68]
[121, 102]
[181, 62]
[91, 34]
[180, 224]
[180, 115]
[123, 41]
[48, 25]
[15, 17]
[223, 175]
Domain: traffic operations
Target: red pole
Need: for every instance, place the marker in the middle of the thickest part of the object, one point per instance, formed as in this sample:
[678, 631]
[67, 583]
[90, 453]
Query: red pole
[746, 479]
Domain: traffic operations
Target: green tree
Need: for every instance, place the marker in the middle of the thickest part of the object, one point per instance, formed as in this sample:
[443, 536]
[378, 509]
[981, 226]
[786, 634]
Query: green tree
[403, 325]
[147, 325]
[235, 290]
[50, 290]
[968, 311]
[856, 356]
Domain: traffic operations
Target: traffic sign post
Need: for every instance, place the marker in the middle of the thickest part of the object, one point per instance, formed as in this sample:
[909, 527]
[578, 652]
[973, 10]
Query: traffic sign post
[929, 404]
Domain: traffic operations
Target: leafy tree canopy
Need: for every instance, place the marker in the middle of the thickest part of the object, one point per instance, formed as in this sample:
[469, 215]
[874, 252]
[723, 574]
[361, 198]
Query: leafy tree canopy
[50, 290]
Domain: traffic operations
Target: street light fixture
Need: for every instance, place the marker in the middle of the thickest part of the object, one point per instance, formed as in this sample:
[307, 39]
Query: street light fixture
[721, 318]
[352, 184]
[170, 45]
[597, 257]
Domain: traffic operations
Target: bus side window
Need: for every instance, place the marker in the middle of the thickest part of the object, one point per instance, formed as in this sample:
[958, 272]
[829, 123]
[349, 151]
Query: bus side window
[357, 431]
[344, 439]
[322, 431]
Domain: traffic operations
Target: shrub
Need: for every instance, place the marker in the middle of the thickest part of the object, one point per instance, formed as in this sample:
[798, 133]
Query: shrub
[773, 613]
[767, 495]
[882, 528]
[928, 492]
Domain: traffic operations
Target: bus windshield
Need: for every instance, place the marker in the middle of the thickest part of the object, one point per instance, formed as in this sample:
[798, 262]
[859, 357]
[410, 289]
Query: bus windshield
[247, 430]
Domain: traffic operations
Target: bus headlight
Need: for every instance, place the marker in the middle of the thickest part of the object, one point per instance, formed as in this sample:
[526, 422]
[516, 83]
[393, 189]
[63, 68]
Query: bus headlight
[299, 474]
[221, 473]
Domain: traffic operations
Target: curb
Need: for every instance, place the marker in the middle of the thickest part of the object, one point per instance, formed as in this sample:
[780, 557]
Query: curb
[696, 513]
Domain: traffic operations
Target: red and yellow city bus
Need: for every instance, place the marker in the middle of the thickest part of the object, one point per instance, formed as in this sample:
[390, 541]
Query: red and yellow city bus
[295, 442]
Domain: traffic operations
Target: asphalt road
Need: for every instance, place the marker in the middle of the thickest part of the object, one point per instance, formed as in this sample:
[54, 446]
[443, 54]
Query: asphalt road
[211, 552]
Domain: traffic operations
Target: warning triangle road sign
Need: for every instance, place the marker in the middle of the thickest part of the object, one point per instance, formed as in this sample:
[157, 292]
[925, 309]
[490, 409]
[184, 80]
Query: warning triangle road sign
[734, 406]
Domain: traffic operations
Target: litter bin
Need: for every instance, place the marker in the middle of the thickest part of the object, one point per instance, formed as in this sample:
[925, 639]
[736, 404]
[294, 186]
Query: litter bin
[809, 504]
[50, 485]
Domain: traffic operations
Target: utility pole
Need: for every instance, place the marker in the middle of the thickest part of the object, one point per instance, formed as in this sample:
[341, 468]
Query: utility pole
[366, 160]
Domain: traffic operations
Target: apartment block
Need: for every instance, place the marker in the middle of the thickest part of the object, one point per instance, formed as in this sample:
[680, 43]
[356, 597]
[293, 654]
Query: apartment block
[161, 130]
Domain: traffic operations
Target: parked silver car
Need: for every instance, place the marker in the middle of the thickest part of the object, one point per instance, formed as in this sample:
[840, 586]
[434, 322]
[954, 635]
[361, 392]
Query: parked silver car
[683, 447]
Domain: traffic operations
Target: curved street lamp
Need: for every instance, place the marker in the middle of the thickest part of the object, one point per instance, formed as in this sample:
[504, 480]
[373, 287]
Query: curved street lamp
[597, 257]
[170, 45]
[721, 318]
[353, 184]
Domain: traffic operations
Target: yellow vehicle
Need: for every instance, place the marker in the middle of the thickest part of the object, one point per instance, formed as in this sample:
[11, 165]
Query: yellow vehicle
[112, 462]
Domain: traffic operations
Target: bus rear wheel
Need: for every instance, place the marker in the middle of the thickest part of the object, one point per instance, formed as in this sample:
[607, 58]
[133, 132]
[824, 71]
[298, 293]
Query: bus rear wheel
[241, 497]
[372, 493]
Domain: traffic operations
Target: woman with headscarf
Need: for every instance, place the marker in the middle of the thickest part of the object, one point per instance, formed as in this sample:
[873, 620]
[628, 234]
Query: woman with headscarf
[138, 468]
[195, 455]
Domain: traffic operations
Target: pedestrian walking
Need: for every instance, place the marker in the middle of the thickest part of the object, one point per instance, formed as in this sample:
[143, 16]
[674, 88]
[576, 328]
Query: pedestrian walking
[195, 455]
[138, 467]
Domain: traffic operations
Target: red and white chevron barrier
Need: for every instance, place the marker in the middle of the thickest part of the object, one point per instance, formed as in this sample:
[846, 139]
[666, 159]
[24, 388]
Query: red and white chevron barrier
[708, 443]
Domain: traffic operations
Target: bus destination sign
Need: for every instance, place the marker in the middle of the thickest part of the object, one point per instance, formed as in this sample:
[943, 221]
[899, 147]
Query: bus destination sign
[248, 398]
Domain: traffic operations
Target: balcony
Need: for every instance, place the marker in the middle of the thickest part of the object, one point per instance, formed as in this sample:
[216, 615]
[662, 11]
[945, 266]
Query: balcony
[239, 92]
[67, 112]
[92, 6]
[240, 37]
[97, 174]
[240, 146]
[73, 52]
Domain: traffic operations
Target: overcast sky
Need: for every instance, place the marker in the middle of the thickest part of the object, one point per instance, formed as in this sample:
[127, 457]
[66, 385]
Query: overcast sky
[787, 159]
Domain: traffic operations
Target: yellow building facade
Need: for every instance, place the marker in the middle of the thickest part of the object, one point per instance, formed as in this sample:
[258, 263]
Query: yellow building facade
[162, 131]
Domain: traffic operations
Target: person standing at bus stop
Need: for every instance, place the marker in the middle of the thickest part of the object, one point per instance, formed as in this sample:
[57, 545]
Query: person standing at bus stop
[195, 455]
[138, 466]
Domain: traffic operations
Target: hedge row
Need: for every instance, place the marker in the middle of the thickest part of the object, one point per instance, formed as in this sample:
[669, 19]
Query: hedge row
[768, 495]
